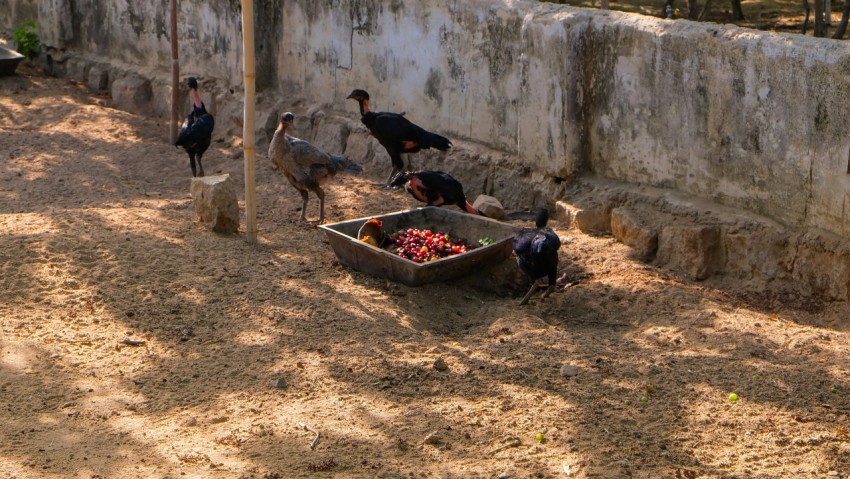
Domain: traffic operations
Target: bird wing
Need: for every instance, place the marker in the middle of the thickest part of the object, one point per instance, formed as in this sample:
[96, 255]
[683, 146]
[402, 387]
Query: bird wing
[394, 131]
[307, 155]
[204, 125]
[197, 129]
[523, 240]
[546, 242]
[391, 129]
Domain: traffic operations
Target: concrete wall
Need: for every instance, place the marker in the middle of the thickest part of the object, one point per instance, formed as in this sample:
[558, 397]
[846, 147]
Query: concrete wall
[138, 33]
[749, 119]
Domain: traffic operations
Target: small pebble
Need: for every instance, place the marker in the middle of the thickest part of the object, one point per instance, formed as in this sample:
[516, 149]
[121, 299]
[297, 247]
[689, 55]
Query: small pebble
[568, 370]
[433, 439]
[190, 422]
[440, 364]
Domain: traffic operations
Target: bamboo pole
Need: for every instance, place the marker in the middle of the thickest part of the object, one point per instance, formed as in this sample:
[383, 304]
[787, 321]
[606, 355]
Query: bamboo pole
[248, 129]
[175, 73]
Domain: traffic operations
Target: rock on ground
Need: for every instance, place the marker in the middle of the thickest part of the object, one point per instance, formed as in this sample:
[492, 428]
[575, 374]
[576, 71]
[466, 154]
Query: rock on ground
[215, 203]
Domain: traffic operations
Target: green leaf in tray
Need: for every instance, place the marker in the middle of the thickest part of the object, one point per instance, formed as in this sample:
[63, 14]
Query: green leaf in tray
[486, 241]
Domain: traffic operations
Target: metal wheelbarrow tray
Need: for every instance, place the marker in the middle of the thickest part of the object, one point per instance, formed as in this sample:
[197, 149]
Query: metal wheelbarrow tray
[9, 60]
[386, 264]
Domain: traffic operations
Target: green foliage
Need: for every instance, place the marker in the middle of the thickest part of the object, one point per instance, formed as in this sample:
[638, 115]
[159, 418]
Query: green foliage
[486, 241]
[26, 39]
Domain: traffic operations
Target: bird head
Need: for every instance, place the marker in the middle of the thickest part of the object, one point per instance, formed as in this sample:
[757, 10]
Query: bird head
[287, 118]
[358, 95]
[541, 218]
[399, 180]
[192, 82]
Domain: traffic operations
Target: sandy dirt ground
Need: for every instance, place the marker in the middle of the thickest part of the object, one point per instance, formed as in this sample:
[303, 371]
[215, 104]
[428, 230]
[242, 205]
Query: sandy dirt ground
[625, 373]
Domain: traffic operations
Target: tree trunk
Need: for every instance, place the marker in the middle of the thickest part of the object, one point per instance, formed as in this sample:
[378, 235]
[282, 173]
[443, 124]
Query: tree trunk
[692, 10]
[820, 28]
[808, 10]
[737, 12]
[841, 29]
[248, 146]
[175, 73]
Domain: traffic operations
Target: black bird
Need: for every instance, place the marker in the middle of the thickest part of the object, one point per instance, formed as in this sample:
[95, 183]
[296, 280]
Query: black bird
[434, 188]
[537, 253]
[196, 133]
[396, 133]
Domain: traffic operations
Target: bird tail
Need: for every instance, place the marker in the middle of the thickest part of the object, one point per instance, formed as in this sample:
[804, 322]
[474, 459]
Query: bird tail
[344, 164]
[542, 218]
[433, 140]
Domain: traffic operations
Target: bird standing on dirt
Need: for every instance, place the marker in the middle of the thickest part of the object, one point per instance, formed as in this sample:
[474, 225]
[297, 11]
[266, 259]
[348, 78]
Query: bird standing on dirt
[396, 133]
[196, 133]
[537, 253]
[434, 188]
[307, 167]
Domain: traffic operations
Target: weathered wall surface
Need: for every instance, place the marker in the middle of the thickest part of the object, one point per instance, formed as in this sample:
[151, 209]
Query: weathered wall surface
[138, 33]
[748, 119]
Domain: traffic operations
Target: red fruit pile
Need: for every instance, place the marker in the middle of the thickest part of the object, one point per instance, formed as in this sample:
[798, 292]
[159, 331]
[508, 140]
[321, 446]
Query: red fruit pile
[426, 245]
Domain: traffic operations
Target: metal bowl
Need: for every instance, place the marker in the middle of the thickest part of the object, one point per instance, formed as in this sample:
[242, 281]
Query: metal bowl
[379, 262]
[9, 60]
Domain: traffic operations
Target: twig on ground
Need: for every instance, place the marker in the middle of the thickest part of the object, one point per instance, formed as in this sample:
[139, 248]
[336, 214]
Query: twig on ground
[133, 342]
[512, 442]
[315, 440]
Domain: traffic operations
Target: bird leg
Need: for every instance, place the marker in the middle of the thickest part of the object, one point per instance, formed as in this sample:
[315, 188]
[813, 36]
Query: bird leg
[303, 205]
[192, 164]
[534, 287]
[548, 291]
[200, 166]
[321, 194]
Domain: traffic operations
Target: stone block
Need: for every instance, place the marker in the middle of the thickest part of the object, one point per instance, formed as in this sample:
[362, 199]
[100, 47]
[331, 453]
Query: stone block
[693, 250]
[330, 135]
[215, 203]
[98, 77]
[132, 93]
[161, 101]
[76, 69]
[594, 220]
[759, 255]
[631, 229]
[363, 148]
[821, 266]
[266, 121]
[565, 213]
[489, 206]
